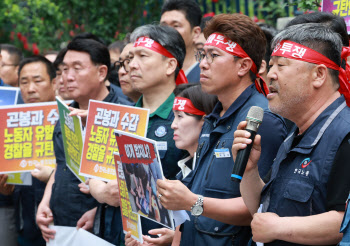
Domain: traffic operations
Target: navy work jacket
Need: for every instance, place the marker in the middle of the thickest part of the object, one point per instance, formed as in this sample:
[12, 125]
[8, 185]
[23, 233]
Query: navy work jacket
[212, 176]
[299, 178]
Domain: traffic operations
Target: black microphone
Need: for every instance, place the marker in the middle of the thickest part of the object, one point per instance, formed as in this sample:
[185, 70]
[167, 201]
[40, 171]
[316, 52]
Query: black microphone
[254, 119]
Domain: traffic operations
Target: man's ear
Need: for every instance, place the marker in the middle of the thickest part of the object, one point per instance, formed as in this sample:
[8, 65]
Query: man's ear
[171, 66]
[53, 82]
[263, 68]
[245, 64]
[102, 73]
[319, 75]
[196, 31]
[16, 69]
[53, 86]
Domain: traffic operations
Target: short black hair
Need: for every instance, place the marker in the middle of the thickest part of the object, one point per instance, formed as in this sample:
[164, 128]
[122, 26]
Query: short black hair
[38, 58]
[127, 38]
[334, 22]
[98, 52]
[190, 8]
[15, 53]
[204, 22]
[270, 32]
[117, 45]
[88, 35]
[59, 58]
[51, 52]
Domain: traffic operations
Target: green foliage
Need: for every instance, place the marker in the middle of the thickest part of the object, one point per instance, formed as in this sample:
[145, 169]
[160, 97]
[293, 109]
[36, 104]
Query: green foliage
[268, 10]
[274, 10]
[49, 24]
[42, 25]
[308, 5]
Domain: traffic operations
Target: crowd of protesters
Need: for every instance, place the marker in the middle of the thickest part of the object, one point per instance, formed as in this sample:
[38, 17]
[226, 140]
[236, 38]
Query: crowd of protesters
[295, 187]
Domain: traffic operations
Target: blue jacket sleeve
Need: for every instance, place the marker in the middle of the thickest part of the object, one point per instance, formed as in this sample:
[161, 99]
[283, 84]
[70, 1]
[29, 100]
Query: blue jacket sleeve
[273, 131]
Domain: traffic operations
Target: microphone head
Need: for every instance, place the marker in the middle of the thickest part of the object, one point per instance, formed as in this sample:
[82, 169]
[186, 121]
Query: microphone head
[255, 114]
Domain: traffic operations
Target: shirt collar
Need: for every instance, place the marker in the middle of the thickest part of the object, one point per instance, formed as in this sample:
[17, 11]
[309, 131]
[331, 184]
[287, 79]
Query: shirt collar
[314, 133]
[108, 98]
[163, 110]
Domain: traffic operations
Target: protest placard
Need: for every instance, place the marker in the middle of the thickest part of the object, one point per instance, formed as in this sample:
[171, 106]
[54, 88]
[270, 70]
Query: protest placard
[72, 137]
[131, 221]
[340, 8]
[26, 136]
[142, 169]
[71, 236]
[100, 144]
[8, 95]
[24, 178]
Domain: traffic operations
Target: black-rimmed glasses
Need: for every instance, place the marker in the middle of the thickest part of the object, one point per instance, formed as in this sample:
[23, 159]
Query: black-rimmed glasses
[124, 64]
[209, 55]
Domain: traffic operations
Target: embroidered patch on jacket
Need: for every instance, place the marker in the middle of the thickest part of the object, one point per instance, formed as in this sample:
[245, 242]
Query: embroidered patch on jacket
[161, 131]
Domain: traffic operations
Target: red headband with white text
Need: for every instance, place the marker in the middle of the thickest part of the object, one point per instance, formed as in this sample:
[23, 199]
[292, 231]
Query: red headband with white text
[219, 41]
[185, 105]
[289, 49]
[157, 47]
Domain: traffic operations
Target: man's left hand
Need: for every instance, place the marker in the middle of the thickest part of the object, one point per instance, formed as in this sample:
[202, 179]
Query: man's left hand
[87, 220]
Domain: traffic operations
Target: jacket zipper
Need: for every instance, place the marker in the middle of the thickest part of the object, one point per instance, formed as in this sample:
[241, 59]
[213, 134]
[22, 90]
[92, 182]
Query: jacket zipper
[200, 149]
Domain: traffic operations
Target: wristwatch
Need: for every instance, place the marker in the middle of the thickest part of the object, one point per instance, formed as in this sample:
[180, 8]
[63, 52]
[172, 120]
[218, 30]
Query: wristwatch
[197, 208]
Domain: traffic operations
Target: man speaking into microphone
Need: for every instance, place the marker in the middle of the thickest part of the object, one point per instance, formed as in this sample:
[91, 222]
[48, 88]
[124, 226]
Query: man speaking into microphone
[229, 65]
[303, 200]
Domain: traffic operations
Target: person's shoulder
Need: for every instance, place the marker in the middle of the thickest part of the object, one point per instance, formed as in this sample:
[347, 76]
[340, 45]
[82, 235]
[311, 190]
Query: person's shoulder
[259, 98]
[272, 117]
[124, 101]
[273, 123]
[345, 114]
[193, 75]
[118, 97]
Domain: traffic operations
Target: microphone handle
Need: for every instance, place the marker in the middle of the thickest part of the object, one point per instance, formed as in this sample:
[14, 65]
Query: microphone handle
[242, 159]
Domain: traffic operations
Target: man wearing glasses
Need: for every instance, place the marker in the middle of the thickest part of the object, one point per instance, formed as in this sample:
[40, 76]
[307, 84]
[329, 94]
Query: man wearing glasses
[124, 76]
[229, 65]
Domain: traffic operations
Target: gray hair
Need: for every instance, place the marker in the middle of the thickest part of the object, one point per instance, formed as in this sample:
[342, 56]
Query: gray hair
[168, 37]
[317, 37]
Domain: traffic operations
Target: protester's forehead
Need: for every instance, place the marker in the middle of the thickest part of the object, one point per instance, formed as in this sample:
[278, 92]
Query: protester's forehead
[126, 51]
[287, 61]
[73, 56]
[34, 69]
[210, 48]
[278, 58]
[141, 49]
[6, 56]
[172, 17]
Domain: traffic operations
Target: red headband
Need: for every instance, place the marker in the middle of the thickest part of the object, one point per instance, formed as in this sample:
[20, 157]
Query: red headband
[185, 105]
[219, 41]
[296, 51]
[157, 47]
